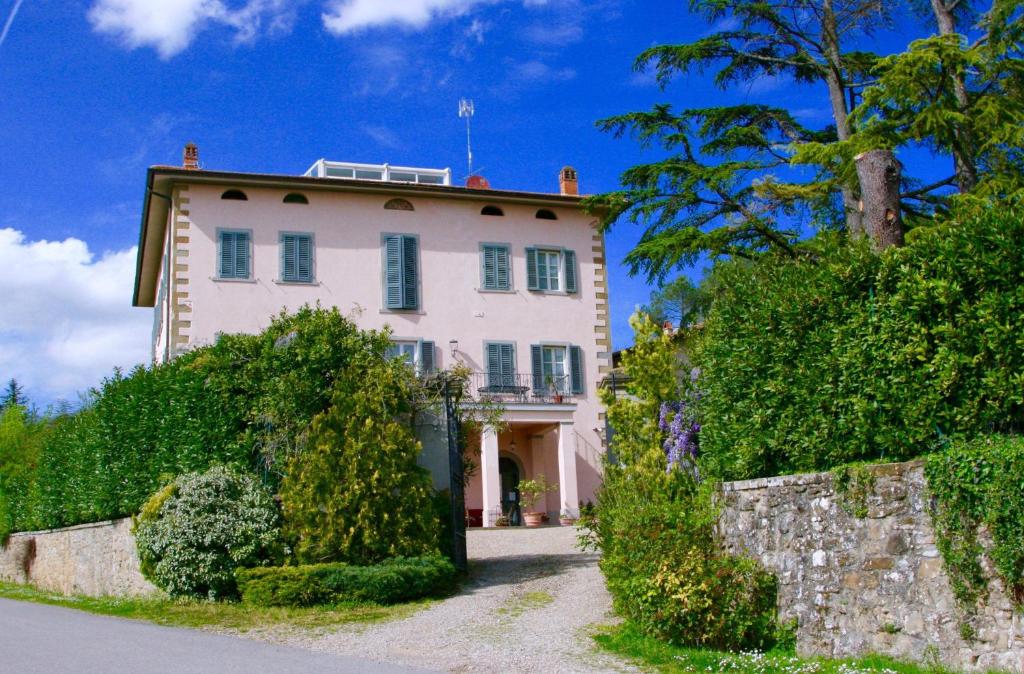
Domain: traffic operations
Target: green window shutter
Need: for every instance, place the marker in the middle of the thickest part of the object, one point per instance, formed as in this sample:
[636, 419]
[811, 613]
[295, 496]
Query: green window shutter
[241, 255]
[495, 268]
[501, 272]
[426, 357]
[410, 273]
[289, 257]
[304, 258]
[532, 282]
[234, 255]
[493, 365]
[570, 270]
[506, 353]
[576, 369]
[393, 272]
[490, 268]
[537, 367]
[226, 264]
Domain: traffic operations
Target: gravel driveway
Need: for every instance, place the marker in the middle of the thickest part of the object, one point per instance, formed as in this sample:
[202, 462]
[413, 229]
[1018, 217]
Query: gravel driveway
[529, 606]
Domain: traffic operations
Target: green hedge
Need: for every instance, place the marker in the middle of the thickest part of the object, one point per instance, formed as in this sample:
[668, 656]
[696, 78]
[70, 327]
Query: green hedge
[390, 582]
[810, 364]
[246, 400]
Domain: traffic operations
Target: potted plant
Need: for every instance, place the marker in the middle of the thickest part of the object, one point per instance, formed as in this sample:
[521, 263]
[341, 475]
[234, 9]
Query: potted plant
[556, 393]
[566, 518]
[530, 492]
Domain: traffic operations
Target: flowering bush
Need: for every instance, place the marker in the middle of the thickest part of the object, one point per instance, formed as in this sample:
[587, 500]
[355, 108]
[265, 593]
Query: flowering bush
[655, 519]
[196, 531]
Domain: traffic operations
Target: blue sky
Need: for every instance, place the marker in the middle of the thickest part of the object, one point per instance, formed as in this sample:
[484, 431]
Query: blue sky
[94, 91]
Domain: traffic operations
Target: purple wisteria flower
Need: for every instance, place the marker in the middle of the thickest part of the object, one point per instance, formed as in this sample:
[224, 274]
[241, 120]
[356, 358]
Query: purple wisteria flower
[681, 435]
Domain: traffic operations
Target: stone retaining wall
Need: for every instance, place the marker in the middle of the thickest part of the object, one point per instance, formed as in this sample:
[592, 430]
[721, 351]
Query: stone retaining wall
[872, 584]
[92, 559]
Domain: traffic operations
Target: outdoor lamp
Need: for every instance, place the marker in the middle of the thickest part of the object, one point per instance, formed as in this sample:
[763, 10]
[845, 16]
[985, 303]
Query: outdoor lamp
[453, 344]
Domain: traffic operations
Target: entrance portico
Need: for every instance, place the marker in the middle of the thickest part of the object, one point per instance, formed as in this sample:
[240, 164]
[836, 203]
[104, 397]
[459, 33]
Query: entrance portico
[538, 441]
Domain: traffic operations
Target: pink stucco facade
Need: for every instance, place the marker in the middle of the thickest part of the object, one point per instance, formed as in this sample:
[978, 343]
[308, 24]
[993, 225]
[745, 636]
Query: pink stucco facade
[192, 305]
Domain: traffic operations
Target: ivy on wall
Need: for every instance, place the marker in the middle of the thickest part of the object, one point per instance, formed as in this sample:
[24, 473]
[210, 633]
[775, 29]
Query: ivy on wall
[979, 485]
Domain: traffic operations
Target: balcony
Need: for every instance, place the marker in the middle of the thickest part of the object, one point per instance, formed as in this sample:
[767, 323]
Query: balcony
[519, 388]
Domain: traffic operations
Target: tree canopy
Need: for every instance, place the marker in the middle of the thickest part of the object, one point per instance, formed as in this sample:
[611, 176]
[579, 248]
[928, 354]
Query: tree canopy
[740, 180]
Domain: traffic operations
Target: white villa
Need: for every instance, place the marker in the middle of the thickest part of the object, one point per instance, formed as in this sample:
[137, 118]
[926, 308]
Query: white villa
[511, 284]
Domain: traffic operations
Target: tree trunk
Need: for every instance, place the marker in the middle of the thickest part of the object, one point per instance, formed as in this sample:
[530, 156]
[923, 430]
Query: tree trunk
[963, 151]
[879, 174]
[840, 113]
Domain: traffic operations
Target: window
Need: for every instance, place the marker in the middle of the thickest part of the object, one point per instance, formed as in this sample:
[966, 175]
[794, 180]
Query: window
[501, 365]
[491, 210]
[295, 198]
[401, 271]
[553, 368]
[551, 269]
[494, 267]
[296, 257]
[545, 214]
[557, 368]
[234, 195]
[404, 350]
[398, 205]
[233, 253]
[416, 353]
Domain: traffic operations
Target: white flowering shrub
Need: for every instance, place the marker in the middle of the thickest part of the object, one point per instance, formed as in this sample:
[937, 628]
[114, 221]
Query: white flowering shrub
[196, 531]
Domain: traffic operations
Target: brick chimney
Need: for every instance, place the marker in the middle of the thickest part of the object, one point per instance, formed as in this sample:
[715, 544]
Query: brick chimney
[191, 158]
[568, 183]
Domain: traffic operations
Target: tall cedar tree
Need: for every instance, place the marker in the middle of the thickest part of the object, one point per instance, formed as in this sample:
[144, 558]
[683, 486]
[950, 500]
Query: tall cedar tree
[356, 494]
[722, 197]
[956, 97]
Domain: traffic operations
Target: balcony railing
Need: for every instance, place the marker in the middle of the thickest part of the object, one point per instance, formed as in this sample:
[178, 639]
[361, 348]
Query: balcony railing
[519, 388]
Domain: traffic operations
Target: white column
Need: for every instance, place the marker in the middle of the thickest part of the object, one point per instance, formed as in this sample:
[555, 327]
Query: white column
[568, 490]
[489, 476]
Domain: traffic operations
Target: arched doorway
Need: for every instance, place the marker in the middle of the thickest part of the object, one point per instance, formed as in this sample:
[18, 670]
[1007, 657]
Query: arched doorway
[510, 476]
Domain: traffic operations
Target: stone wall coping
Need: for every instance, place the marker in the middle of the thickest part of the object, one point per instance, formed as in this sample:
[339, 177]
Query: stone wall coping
[800, 479]
[77, 527]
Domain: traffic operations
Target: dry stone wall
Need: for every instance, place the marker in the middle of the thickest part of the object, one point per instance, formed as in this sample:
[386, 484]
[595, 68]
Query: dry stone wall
[91, 559]
[863, 575]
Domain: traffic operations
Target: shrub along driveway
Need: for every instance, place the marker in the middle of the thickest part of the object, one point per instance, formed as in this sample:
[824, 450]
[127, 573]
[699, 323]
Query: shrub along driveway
[529, 606]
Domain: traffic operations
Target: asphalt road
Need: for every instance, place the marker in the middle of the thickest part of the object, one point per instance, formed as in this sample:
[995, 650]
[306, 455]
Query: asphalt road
[49, 639]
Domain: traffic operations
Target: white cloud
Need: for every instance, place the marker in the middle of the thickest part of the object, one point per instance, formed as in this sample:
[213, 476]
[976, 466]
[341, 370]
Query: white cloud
[384, 136]
[169, 26]
[554, 34]
[68, 319]
[349, 16]
[538, 71]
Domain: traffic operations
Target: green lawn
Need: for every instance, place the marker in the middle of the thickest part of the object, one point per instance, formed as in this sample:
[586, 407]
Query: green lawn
[220, 615]
[627, 641]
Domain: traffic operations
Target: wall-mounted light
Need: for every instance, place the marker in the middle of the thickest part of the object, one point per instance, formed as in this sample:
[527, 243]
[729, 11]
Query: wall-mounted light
[453, 345]
[512, 446]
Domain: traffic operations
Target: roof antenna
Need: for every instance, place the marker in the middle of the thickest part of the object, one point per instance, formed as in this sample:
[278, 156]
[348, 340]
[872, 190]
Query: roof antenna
[466, 111]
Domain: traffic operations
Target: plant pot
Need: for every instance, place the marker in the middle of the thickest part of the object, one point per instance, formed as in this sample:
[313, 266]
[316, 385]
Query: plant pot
[533, 519]
[567, 521]
[558, 398]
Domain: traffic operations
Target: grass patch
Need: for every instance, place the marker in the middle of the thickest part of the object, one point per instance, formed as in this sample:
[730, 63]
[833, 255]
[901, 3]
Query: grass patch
[519, 605]
[628, 641]
[230, 616]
